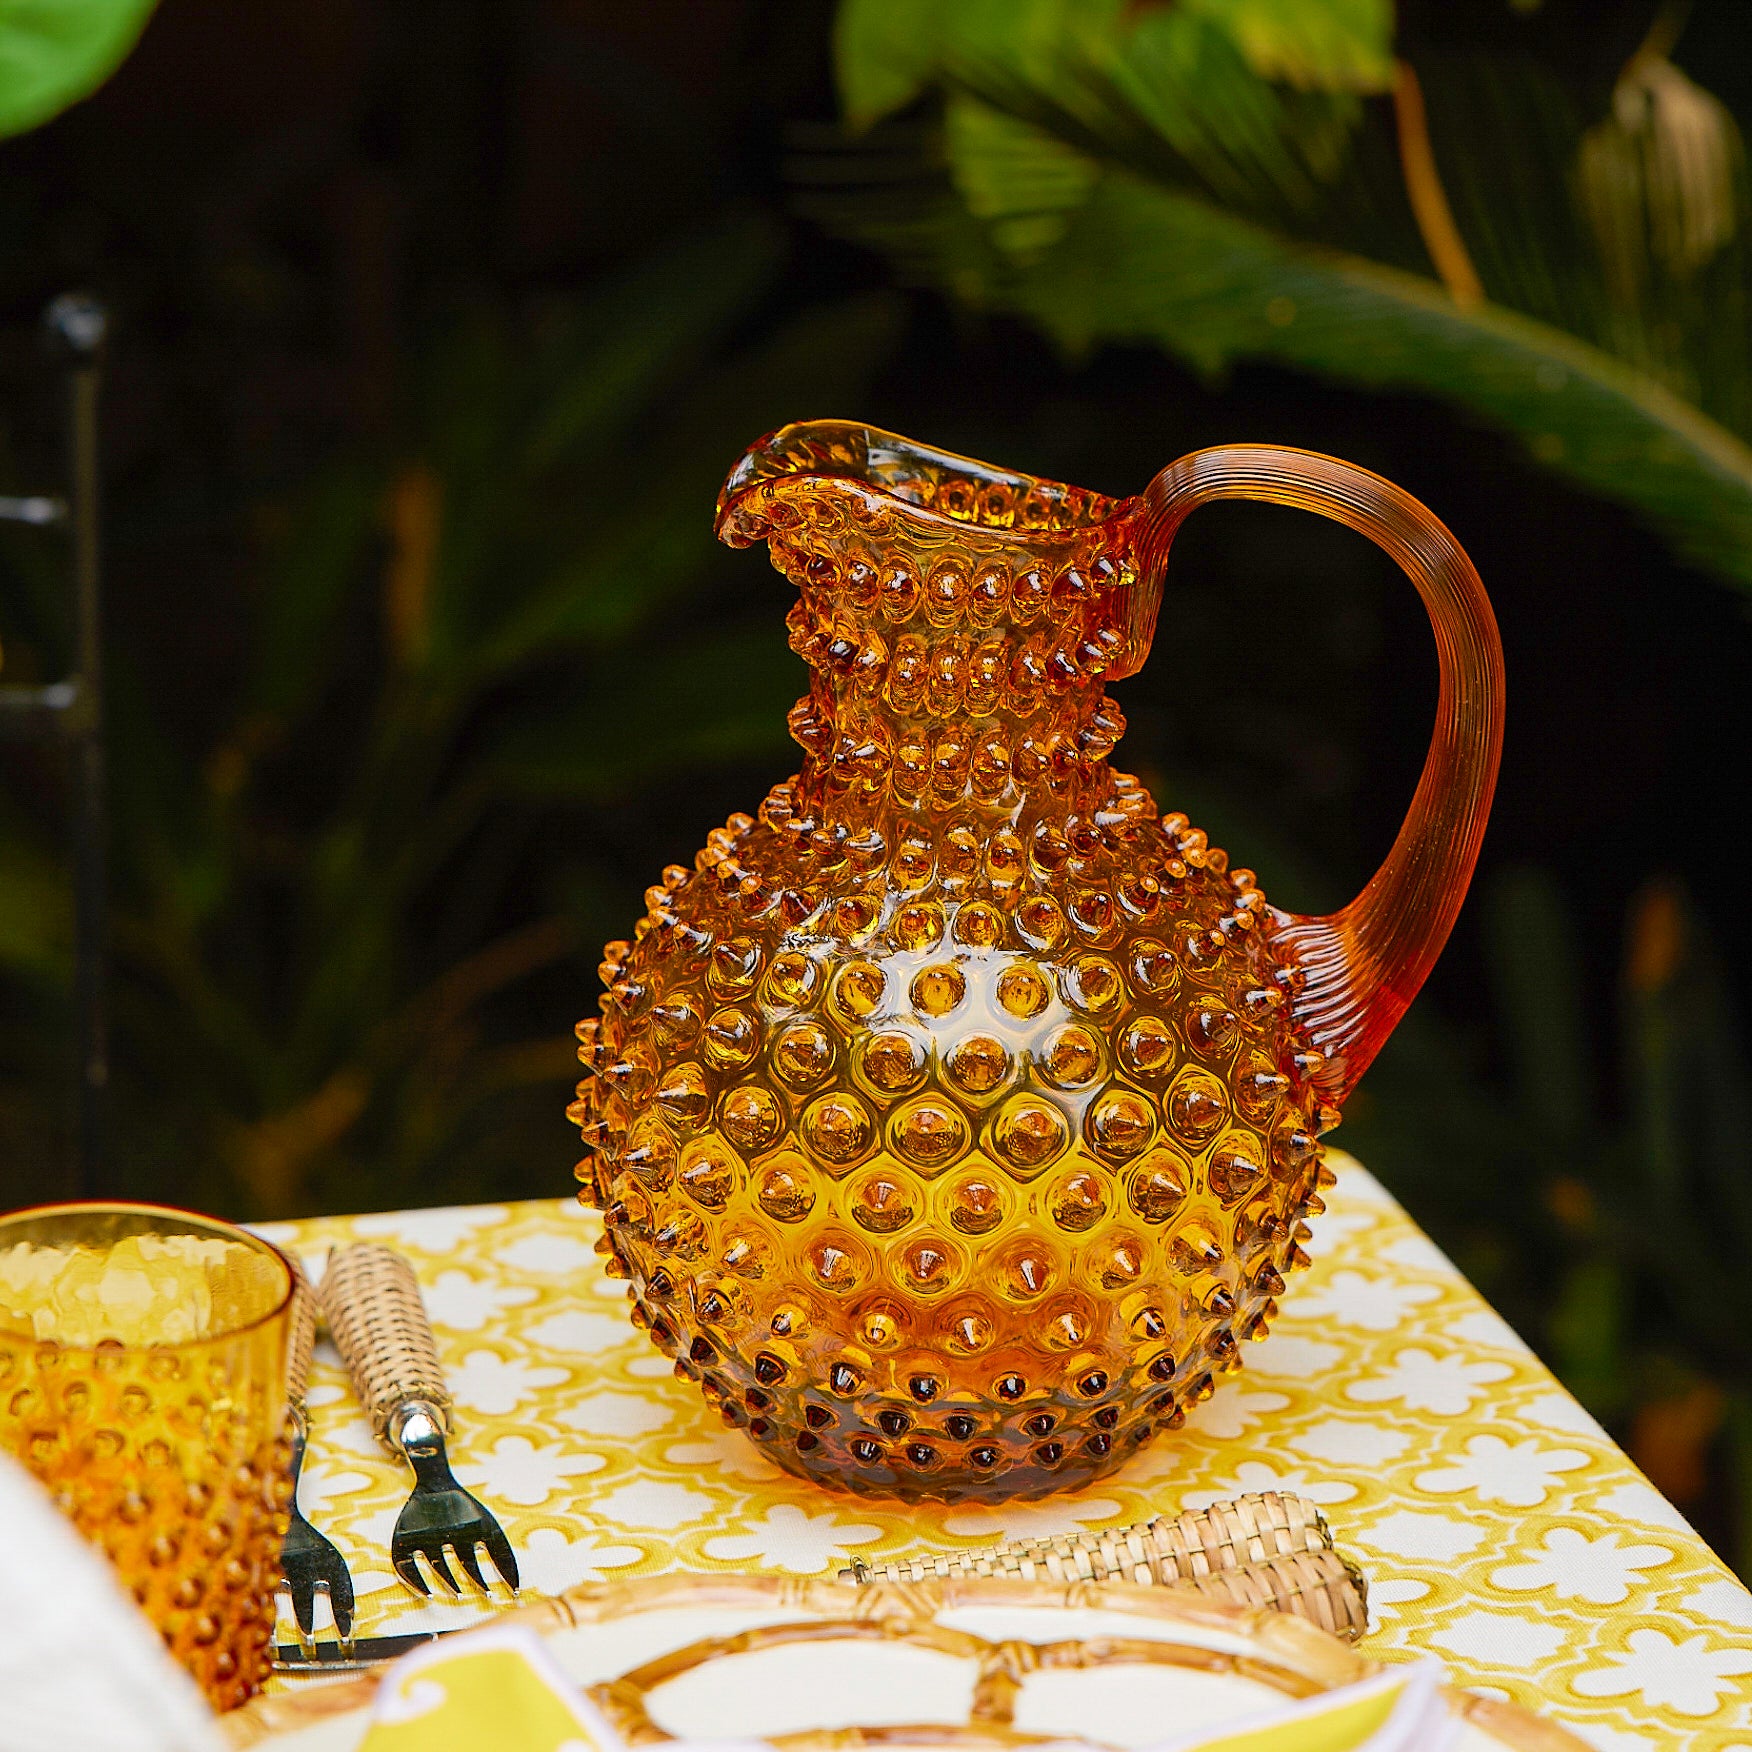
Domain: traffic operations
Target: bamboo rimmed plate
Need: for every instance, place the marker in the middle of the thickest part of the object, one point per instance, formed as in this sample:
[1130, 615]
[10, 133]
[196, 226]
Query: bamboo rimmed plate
[972, 1664]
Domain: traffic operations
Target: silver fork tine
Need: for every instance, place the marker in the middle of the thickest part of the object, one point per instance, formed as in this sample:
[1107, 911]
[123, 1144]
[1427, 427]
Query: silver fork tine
[372, 1300]
[435, 1557]
[308, 1559]
[465, 1555]
[504, 1559]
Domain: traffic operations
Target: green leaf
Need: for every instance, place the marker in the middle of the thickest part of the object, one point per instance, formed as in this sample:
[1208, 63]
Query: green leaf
[686, 707]
[309, 584]
[1336, 46]
[1586, 1327]
[54, 52]
[1204, 178]
[1535, 967]
[1138, 263]
[641, 331]
[539, 443]
[1023, 183]
[648, 549]
[886, 52]
[36, 918]
[1689, 1088]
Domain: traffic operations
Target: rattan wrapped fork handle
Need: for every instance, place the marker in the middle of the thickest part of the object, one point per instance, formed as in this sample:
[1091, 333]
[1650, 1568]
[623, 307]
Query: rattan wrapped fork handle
[1251, 1530]
[371, 1301]
[303, 1337]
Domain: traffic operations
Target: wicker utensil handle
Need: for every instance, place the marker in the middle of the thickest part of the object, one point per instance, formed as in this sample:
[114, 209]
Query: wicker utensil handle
[303, 1337]
[1321, 1586]
[1252, 1529]
[371, 1300]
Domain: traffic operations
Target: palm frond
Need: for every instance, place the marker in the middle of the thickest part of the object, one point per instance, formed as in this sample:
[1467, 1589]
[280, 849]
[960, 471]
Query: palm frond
[1199, 178]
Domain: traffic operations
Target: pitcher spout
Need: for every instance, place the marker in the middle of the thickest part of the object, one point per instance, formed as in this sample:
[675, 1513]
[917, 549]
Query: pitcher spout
[1039, 554]
[938, 484]
[960, 620]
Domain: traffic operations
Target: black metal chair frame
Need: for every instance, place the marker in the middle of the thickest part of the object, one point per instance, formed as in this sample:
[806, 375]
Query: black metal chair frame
[70, 713]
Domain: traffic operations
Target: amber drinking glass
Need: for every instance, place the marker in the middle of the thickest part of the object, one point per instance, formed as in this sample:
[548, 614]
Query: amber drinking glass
[143, 1358]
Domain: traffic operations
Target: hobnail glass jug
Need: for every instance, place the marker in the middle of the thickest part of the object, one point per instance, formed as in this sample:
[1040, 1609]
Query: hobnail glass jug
[957, 1116]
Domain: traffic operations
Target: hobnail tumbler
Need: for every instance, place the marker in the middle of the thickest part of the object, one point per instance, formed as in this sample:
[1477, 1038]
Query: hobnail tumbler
[143, 1358]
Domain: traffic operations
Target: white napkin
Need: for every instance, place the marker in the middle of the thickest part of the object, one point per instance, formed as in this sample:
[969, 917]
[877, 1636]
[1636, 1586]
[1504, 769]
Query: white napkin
[81, 1670]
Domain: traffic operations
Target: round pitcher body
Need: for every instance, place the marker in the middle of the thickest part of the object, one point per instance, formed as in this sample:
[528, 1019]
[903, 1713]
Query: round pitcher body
[971, 1179]
[950, 1119]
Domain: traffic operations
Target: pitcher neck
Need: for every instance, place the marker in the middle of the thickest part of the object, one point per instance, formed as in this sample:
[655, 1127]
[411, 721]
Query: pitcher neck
[958, 752]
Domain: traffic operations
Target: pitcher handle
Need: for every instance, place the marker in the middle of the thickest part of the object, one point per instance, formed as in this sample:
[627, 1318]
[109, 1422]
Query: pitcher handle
[1363, 965]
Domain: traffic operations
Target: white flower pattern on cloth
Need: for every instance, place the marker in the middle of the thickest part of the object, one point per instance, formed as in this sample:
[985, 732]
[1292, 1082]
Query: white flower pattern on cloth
[1332, 1230]
[494, 1384]
[1376, 1304]
[440, 1230]
[1487, 1327]
[726, 1452]
[671, 1490]
[1690, 1676]
[321, 1487]
[551, 1253]
[1345, 1441]
[466, 1303]
[517, 1471]
[1233, 1409]
[1725, 1601]
[1611, 1740]
[1434, 1538]
[1495, 1471]
[552, 1563]
[1637, 1501]
[615, 1414]
[1422, 1381]
[1417, 1252]
[1043, 1520]
[1575, 1567]
[1557, 1411]
[1501, 1638]
[1284, 1356]
[1387, 1595]
[353, 1433]
[582, 1331]
[789, 1538]
[646, 1504]
[1255, 1475]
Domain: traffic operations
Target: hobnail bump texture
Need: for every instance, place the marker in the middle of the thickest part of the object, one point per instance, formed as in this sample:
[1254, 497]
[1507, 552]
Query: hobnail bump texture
[956, 1119]
[171, 1459]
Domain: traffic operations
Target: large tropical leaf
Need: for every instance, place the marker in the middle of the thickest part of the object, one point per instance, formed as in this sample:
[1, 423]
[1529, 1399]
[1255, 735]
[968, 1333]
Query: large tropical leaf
[1224, 181]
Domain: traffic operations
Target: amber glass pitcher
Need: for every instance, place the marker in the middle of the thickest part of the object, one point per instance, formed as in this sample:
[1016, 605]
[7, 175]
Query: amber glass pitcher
[957, 1117]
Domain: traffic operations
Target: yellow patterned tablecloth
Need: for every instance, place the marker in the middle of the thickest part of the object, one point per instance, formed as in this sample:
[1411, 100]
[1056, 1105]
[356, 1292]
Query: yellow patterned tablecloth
[1501, 1529]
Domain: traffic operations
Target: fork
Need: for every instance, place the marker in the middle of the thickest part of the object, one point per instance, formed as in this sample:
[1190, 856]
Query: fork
[371, 1300]
[308, 1559]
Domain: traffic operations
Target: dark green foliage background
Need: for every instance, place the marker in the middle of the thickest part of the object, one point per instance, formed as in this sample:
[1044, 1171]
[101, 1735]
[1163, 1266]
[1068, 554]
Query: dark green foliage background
[437, 327]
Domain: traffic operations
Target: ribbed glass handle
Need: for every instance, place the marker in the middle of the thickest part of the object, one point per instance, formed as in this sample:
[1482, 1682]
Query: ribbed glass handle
[1365, 963]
